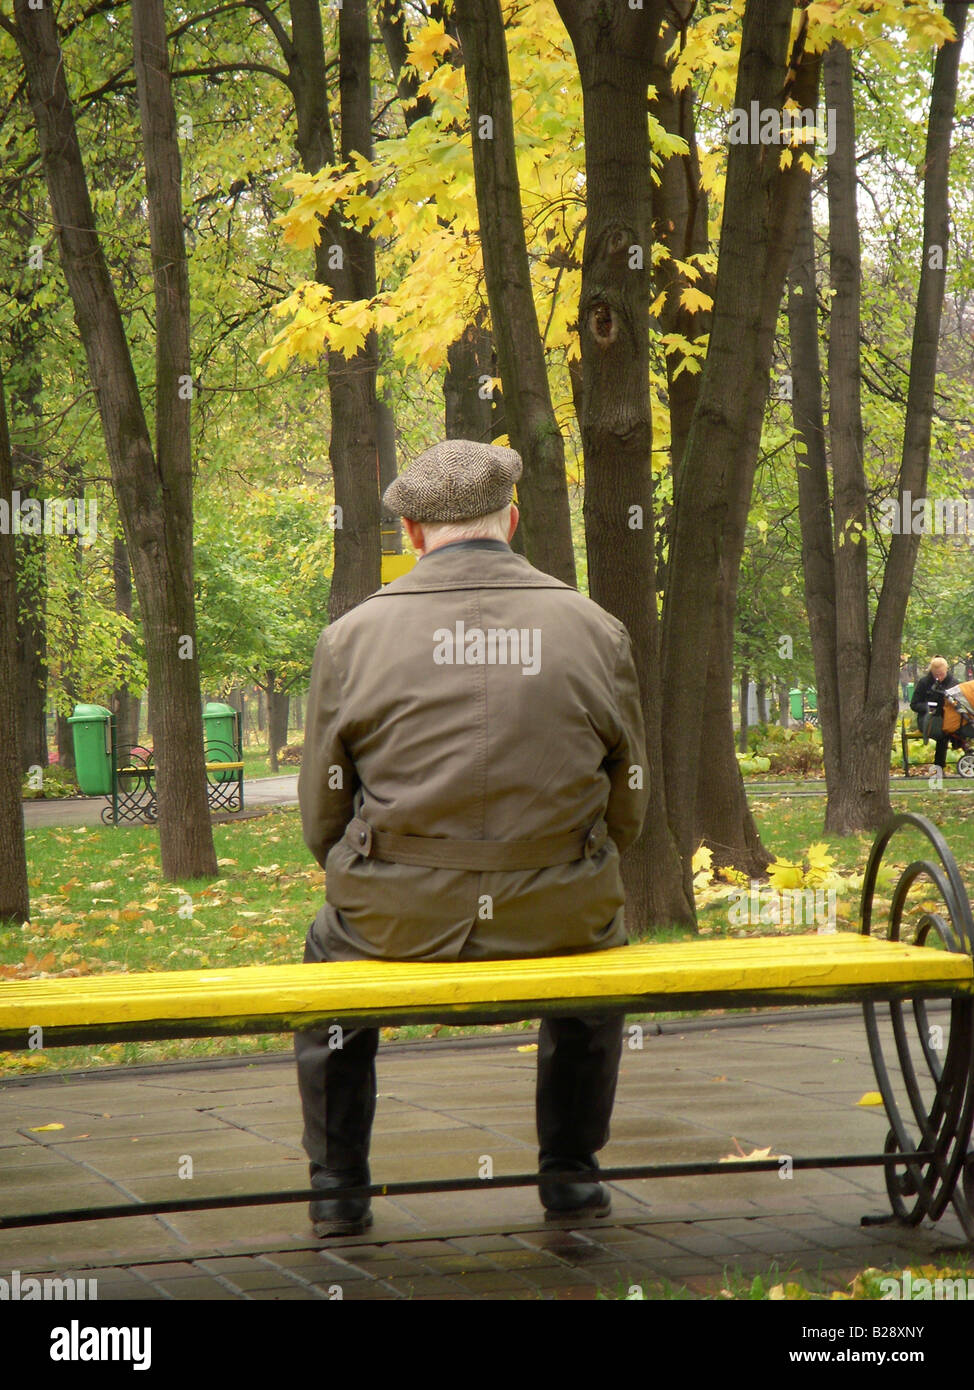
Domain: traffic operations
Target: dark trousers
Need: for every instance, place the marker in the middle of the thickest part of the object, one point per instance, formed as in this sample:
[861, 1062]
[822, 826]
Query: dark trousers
[578, 1065]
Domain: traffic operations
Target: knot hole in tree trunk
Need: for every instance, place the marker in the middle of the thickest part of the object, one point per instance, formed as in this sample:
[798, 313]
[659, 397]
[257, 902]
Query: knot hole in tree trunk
[603, 324]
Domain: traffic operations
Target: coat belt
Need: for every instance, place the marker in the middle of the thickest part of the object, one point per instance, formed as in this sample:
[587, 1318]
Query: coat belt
[431, 852]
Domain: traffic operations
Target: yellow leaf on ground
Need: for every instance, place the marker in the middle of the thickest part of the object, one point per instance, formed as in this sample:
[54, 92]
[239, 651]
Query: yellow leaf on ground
[741, 1156]
[870, 1098]
[702, 859]
[528, 1047]
[785, 875]
[42, 1129]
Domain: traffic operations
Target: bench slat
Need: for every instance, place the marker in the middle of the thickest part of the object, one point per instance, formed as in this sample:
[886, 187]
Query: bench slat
[269, 998]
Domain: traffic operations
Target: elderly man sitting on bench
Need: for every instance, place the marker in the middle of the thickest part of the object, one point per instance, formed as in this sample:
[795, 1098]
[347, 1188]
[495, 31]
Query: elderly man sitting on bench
[473, 769]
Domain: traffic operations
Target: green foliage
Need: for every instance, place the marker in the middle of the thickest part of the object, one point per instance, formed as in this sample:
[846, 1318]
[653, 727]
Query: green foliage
[262, 576]
[56, 783]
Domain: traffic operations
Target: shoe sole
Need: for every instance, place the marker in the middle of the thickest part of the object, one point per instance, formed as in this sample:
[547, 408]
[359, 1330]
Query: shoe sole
[579, 1214]
[343, 1228]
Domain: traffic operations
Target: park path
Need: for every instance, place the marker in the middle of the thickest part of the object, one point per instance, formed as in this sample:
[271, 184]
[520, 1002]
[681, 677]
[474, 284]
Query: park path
[791, 1081]
[260, 794]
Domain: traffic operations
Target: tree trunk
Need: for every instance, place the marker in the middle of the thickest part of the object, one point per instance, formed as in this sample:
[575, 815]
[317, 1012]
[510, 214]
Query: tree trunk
[392, 26]
[781, 693]
[153, 489]
[531, 424]
[391, 526]
[345, 260]
[28, 480]
[468, 406]
[761, 694]
[14, 896]
[679, 204]
[466, 393]
[742, 705]
[354, 446]
[845, 430]
[814, 503]
[712, 491]
[126, 704]
[68, 691]
[277, 712]
[614, 60]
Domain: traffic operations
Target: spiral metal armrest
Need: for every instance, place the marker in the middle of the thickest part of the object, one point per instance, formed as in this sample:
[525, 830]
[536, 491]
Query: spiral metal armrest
[941, 1125]
[136, 787]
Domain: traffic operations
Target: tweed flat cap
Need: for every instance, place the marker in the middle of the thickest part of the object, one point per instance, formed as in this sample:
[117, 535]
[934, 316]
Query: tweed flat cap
[455, 481]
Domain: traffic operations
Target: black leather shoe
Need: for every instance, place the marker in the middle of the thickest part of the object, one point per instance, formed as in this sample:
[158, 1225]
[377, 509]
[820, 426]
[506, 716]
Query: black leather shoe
[567, 1199]
[340, 1216]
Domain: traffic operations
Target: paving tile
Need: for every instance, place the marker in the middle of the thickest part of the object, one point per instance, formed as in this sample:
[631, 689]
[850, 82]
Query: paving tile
[197, 1287]
[482, 1244]
[490, 1281]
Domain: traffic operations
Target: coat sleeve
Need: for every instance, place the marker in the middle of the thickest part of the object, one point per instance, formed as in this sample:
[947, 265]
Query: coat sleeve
[626, 761]
[919, 701]
[328, 781]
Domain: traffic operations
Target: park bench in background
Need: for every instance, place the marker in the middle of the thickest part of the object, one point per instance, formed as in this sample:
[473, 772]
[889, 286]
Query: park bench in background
[126, 775]
[928, 1093]
[965, 763]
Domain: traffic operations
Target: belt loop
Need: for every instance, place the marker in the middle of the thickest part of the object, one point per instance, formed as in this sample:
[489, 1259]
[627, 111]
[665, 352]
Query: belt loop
[359, 837]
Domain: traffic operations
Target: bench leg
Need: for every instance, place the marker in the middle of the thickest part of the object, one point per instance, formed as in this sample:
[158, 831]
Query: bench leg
[929, 1092]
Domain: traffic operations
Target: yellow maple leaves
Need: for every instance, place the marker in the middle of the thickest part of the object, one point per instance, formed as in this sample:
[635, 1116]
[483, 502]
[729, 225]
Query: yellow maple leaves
[694, 299]
[428, 46]
[819, 873]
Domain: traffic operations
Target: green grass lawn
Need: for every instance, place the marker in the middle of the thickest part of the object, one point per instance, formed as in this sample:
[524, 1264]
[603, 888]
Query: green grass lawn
[100, 904]
[257, 764]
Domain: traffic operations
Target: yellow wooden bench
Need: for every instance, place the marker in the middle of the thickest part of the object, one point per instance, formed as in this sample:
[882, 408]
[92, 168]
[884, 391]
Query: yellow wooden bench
[816, 969]
[926, 1149]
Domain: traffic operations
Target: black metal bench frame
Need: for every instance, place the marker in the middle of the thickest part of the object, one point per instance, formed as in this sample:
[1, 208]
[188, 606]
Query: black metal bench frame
[133, 793]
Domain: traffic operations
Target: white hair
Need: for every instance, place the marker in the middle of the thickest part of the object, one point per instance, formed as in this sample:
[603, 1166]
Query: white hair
[494, 526]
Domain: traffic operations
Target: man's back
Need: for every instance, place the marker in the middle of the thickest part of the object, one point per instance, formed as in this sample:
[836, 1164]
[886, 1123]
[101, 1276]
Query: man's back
[476, 699]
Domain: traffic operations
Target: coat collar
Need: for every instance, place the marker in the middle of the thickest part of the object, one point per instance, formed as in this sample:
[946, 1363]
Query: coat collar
[477, 564]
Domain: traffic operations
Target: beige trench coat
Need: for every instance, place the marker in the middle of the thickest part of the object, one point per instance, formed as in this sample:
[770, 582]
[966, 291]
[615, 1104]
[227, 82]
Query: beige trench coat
[428, 716]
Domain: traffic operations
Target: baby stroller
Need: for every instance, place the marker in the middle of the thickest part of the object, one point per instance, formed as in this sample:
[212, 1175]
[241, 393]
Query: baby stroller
[958, 722]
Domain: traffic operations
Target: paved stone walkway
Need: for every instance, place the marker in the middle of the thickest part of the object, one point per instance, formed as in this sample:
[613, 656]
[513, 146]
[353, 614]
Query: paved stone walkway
[789, 1082]
[261, 794]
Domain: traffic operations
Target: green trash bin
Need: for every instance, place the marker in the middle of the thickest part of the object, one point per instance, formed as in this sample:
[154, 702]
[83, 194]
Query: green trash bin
[909, 692]
[220, 738]
[91, 730]
[796, 703]
[811, 700]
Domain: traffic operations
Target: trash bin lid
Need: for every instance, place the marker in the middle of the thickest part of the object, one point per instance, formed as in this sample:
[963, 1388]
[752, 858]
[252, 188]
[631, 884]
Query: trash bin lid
[89, 714]
[214, 707]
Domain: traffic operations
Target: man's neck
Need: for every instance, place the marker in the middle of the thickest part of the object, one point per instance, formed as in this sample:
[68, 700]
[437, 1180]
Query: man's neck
[473, 543]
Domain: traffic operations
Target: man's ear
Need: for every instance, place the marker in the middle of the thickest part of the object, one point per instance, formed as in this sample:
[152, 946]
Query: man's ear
[416, 537]
[515, 518]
